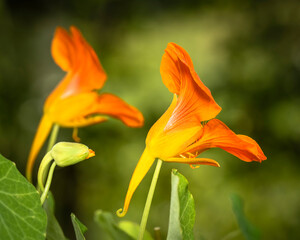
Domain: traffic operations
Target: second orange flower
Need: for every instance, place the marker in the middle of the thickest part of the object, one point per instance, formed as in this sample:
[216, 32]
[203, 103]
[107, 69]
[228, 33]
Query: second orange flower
[75, 102]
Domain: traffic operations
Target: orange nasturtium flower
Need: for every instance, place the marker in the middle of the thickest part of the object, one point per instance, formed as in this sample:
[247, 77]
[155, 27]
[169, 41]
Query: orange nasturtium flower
[188, 127]
[75, 102]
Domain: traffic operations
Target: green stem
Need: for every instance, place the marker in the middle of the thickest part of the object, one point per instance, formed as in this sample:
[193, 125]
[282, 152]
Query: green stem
[149, 200]
[51, 142]
[53, 137]
[43, 169]
[48, 183]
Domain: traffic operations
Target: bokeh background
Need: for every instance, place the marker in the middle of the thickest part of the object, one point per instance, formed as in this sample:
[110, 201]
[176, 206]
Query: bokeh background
[248, 54]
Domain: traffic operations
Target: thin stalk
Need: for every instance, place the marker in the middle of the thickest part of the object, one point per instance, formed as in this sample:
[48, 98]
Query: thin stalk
[48, 183]
[53, 137]
[149, 200]
[51, 142]
[43, 169]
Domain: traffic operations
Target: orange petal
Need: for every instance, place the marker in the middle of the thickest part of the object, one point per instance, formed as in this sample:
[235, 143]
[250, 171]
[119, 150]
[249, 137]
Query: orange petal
[91, 154]
[171, 144]
[157, 129]
[63, 49]
[171, 73]
[84, 109]
[83, 122]
[39, 139]
[193, 161]
[192, 107]
[195, 102]
[74, 55]
[165, 144]
[140, 171]
[73, 109]
[89, 67]
[114, 106]
[169, 68]
[217, 134]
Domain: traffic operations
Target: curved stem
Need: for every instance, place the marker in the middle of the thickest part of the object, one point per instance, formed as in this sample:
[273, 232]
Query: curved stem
[51, 142]
[53, 137]
[48, 183]
[43, 168]
[149, 200]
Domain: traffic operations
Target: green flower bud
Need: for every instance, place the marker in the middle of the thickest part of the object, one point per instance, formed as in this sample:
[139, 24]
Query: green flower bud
[67, 153]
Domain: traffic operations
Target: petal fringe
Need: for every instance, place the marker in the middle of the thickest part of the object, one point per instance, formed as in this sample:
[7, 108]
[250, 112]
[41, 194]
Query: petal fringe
[195, 161]
[217, 134]
[82, 122]
[115, 107]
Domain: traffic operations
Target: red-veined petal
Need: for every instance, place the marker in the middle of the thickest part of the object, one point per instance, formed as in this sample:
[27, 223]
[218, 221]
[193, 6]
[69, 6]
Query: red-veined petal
[217, 134]
[195, 102]
[193, 106]
[169, 67]
[158, 127]
[165, 144]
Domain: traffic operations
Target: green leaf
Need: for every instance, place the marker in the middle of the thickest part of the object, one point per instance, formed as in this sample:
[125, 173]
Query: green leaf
[21, 213]
[249, 231]
[182, 209]
[54, 231]
[79, 228]
[133, 229]
[107, 222]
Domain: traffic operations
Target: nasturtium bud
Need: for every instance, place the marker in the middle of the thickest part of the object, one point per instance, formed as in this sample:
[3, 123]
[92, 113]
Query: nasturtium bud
[68, 153]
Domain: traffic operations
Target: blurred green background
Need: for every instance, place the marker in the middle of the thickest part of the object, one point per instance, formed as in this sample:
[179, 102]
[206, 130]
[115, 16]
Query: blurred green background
[246, 52]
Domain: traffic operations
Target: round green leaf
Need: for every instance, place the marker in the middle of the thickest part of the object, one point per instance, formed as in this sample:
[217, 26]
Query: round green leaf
[21, 213]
